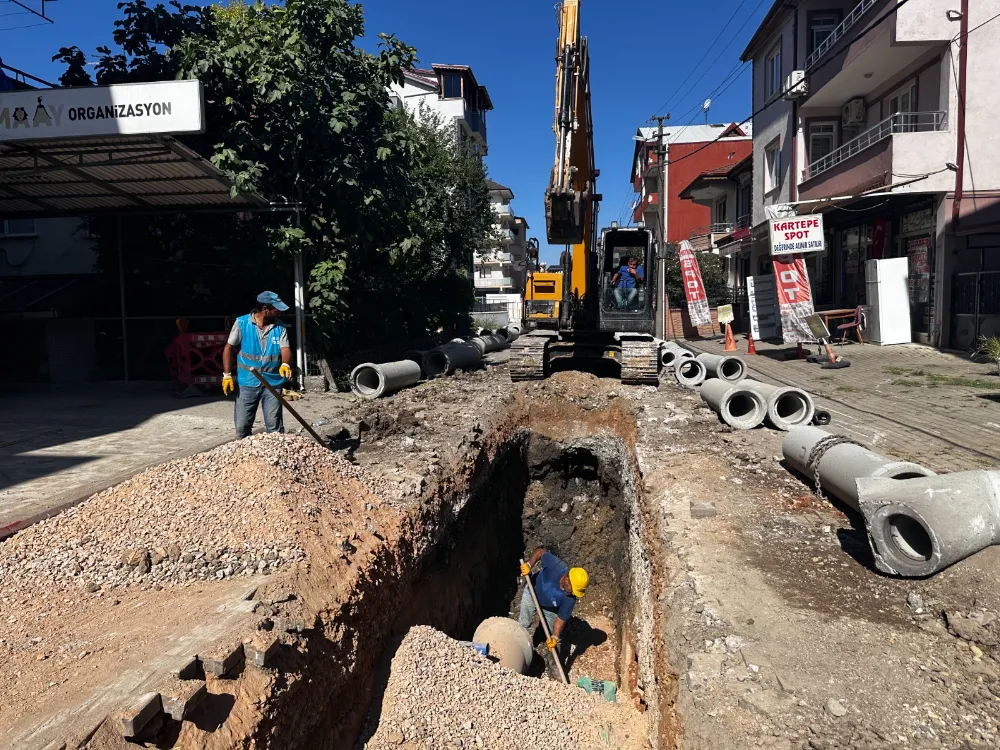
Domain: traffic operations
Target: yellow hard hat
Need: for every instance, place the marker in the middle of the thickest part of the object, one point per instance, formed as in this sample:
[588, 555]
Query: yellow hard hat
[578, 580]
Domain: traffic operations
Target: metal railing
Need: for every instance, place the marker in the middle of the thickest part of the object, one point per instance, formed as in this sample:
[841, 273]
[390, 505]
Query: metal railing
[901, 122]
[721, 227]
[744, 222]
[838, 33]
[492, 282]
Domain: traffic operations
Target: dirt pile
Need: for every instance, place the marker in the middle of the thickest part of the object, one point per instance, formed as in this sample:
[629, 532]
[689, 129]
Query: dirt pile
[443, 695]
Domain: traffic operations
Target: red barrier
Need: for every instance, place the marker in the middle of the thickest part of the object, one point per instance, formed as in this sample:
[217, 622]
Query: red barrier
[196, 358]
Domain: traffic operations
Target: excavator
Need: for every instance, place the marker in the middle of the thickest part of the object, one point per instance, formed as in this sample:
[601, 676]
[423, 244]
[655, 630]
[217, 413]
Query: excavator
[596, 321]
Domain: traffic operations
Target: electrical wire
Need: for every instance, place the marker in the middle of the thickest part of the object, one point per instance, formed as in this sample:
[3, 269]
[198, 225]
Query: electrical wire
[988, 20]
[777, 97]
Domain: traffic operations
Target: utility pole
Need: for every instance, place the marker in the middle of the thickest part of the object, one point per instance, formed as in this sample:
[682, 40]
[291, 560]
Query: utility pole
[662, 326]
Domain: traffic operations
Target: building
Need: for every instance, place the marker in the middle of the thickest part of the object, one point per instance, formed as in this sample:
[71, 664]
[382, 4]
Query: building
[868, 105]
[691, 150]
[452, 93]
[499, 270]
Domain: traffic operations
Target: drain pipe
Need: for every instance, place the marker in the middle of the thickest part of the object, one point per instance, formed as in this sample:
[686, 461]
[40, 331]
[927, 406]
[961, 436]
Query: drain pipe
[374, 381]
[740, 408]
[730, 369]
[507, 641]
[417, 355]
[510, 334]
[786, 407]
[669, 357]
[919, 527]
[446, 359]
[841, 462]
[963, 67]
[689, 372]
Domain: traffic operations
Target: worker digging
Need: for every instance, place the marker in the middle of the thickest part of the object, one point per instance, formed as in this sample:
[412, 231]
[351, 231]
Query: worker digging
[557, 588]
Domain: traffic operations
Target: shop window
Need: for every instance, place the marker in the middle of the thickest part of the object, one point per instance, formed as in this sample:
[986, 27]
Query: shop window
[772, 72]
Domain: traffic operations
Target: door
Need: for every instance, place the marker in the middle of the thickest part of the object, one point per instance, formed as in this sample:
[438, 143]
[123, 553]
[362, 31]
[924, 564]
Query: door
[874, 331]
[975, 308]
[920, 252]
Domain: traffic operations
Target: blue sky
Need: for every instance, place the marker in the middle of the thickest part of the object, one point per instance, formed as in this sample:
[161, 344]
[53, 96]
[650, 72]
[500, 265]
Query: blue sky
[641, 53]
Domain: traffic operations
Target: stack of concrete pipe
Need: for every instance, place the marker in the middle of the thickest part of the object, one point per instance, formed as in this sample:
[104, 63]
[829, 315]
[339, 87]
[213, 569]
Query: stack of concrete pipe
[671, 354]
[444, 360]
[787, 407]
[730, 369]
[739, 407]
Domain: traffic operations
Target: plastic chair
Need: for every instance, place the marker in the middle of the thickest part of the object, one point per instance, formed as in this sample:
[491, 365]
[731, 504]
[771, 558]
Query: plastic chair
[856, 324]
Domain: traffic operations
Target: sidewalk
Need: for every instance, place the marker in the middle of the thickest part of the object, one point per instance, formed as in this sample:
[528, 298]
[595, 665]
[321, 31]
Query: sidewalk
[909, 401]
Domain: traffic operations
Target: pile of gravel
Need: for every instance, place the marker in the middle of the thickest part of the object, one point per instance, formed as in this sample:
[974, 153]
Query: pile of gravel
[234, 511]
[443, 695]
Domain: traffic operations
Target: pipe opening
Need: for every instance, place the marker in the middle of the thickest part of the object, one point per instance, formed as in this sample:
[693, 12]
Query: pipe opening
[367, 381]
[791, 407]
[668, 358]
[688, 368]
[740, 406]
[436, 364]
[907, 475]
[731, 369]
[909, 537]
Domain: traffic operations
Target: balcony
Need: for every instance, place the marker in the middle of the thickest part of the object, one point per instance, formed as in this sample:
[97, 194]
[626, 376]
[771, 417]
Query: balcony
[704, 238]
[839, 33]
[494, 258]
[476, 121]
[913, 143]
[650, 202]
[492, 282]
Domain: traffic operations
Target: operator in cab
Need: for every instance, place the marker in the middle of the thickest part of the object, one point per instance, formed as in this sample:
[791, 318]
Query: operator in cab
[558, 588]
[258, 339]
[626, 282]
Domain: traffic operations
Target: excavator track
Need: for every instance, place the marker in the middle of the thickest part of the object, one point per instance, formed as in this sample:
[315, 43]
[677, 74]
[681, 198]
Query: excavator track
[528, 357]
[640, 363]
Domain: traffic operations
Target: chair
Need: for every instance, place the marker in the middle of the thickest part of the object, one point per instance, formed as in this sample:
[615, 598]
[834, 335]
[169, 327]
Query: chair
[857, 324]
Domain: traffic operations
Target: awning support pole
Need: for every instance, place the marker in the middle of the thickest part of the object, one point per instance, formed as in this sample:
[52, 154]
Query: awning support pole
[300, 307]
[121, 292]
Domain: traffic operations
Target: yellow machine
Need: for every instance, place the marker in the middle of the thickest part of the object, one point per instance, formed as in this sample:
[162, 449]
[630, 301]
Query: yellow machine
[542, 295]
[597, 316]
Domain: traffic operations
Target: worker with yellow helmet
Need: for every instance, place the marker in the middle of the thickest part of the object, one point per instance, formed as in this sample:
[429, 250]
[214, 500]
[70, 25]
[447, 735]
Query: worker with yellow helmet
[557, 586]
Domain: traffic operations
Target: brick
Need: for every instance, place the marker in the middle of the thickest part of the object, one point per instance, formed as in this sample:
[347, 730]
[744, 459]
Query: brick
[140, 714]
[180, 697]
[261, 649]
[224, 661]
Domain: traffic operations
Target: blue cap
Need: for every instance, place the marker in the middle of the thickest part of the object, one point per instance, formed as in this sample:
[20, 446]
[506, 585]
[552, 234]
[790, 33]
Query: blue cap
[272, 299]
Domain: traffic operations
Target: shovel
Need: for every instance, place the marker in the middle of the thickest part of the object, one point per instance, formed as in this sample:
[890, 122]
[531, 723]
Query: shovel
[545, 626]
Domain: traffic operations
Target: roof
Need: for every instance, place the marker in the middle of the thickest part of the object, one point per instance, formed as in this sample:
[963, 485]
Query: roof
[496, 187]
[762, 32]
[111, 174]
[722, 173]
[700, 133]
[430, 78]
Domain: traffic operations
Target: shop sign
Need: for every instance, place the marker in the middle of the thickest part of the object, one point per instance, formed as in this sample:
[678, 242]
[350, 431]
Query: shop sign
[694, 287]
[794, 299]
[725, 313]
[797, 235]
[917, 221]
[159, 108]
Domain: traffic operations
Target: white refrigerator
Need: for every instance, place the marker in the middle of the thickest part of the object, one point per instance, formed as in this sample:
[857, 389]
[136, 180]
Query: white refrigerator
[888, 314]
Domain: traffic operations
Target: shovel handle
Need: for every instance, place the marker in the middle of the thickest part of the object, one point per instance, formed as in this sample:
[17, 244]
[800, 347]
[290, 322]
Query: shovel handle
[545, 626]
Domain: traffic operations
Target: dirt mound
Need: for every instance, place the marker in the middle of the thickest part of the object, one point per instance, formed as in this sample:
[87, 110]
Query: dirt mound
[442, 694]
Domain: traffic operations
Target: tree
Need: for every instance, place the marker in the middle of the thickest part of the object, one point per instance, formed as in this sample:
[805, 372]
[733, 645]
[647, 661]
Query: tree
[713, 276]
[389, 210]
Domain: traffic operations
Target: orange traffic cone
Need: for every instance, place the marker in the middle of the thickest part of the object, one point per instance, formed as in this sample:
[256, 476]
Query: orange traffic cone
[730, 341]
[751, 349]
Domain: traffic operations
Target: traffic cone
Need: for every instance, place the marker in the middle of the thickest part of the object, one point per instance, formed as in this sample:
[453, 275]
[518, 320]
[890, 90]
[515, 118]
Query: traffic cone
[751, 349]
[730, 341]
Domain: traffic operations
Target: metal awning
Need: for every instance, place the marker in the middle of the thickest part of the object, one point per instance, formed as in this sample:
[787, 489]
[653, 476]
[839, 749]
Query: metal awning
[112, 174]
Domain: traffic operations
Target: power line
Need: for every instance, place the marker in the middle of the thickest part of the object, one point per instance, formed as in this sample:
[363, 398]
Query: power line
[775, 97]
[988, 20]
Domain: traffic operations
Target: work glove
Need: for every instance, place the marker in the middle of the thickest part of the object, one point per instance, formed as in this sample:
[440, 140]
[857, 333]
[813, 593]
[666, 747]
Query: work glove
[551, 643]
[285, 371]
[228, 386]
[525, 570]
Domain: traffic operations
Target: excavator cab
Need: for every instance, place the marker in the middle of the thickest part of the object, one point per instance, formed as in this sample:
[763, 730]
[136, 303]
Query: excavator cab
[627, 280]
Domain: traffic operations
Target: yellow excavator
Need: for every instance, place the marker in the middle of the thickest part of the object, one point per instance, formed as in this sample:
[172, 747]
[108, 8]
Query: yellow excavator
[599, 316]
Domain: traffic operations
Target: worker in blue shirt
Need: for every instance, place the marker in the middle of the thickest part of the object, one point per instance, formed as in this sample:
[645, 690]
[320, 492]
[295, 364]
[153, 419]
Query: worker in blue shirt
[258, 339]
[626, 282]
[558, 588]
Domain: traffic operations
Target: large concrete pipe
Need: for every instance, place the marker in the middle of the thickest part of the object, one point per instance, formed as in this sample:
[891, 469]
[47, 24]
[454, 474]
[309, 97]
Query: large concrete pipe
[417, 355]
[671, 355]
[920, 526]
[689, 372]
[509, 334]
[786, 407]
[480, 343]
[494, 343]
[374, 381]
[730, 369]
[739, 407]
[841, 463]
[508, 642]
[446, 359]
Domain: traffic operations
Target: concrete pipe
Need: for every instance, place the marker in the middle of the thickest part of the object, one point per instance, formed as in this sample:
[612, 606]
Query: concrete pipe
[842, 464]
[670, 356]
[730, 369]
[480, 343]
[739, 407]
[918, 527]
[416, 355]
[689, 372]
[786, 407]
[446, 359]
[510, 334]
[374, 381]
[494, 343]
[508, 642]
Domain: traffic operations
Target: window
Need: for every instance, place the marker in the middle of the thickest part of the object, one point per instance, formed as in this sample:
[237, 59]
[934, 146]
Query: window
[17, 226]
[451, 85]
[902, 103]
[744, 200]
[822, 140]
[772, 72]
[821, 25]
[721, 210]
[772, 166]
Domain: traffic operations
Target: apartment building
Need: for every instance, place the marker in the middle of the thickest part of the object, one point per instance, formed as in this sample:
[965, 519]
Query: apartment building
[499, 270]
[690, 151]
[453, 94]
[868, 105]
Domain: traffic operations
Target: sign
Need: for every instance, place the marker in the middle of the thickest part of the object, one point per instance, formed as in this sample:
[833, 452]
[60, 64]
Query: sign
[160, 108]
[762, 303]
[917, 221]
[725, 313]
[794, 299]
[817, 326]
[694, 287]
[797, 235]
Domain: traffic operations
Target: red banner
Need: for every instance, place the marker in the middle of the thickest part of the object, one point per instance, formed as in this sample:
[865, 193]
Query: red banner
[794, 298]
[694, 287]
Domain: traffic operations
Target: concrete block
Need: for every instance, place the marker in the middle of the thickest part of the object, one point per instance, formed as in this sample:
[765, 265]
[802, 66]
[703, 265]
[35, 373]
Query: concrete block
[703, 509]
[260, 650]
[224, 661]
[180, 697]
[135, 718]
[190, 669]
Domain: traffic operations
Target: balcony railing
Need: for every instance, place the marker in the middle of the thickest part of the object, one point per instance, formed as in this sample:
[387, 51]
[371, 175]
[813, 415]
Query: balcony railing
[901, 122]
[744, 222]
[492, 282]
[494, 258]
[838, 33]
[723, 227]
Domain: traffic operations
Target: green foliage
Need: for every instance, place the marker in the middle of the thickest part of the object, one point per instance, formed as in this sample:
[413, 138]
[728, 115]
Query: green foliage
[389, 210]
[988, 347]
[713, 275]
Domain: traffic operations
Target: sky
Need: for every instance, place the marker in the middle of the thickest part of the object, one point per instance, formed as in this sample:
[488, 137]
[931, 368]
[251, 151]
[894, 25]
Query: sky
[647, 57]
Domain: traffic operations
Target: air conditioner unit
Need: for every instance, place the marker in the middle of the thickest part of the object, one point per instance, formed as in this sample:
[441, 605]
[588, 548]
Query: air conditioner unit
[853, 113]
[796, 86]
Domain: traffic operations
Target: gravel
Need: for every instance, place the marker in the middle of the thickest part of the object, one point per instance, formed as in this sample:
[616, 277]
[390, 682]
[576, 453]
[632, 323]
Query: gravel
[444, 695]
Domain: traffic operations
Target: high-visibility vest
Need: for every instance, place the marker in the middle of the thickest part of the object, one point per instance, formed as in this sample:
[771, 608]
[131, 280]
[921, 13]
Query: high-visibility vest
[265, 358]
